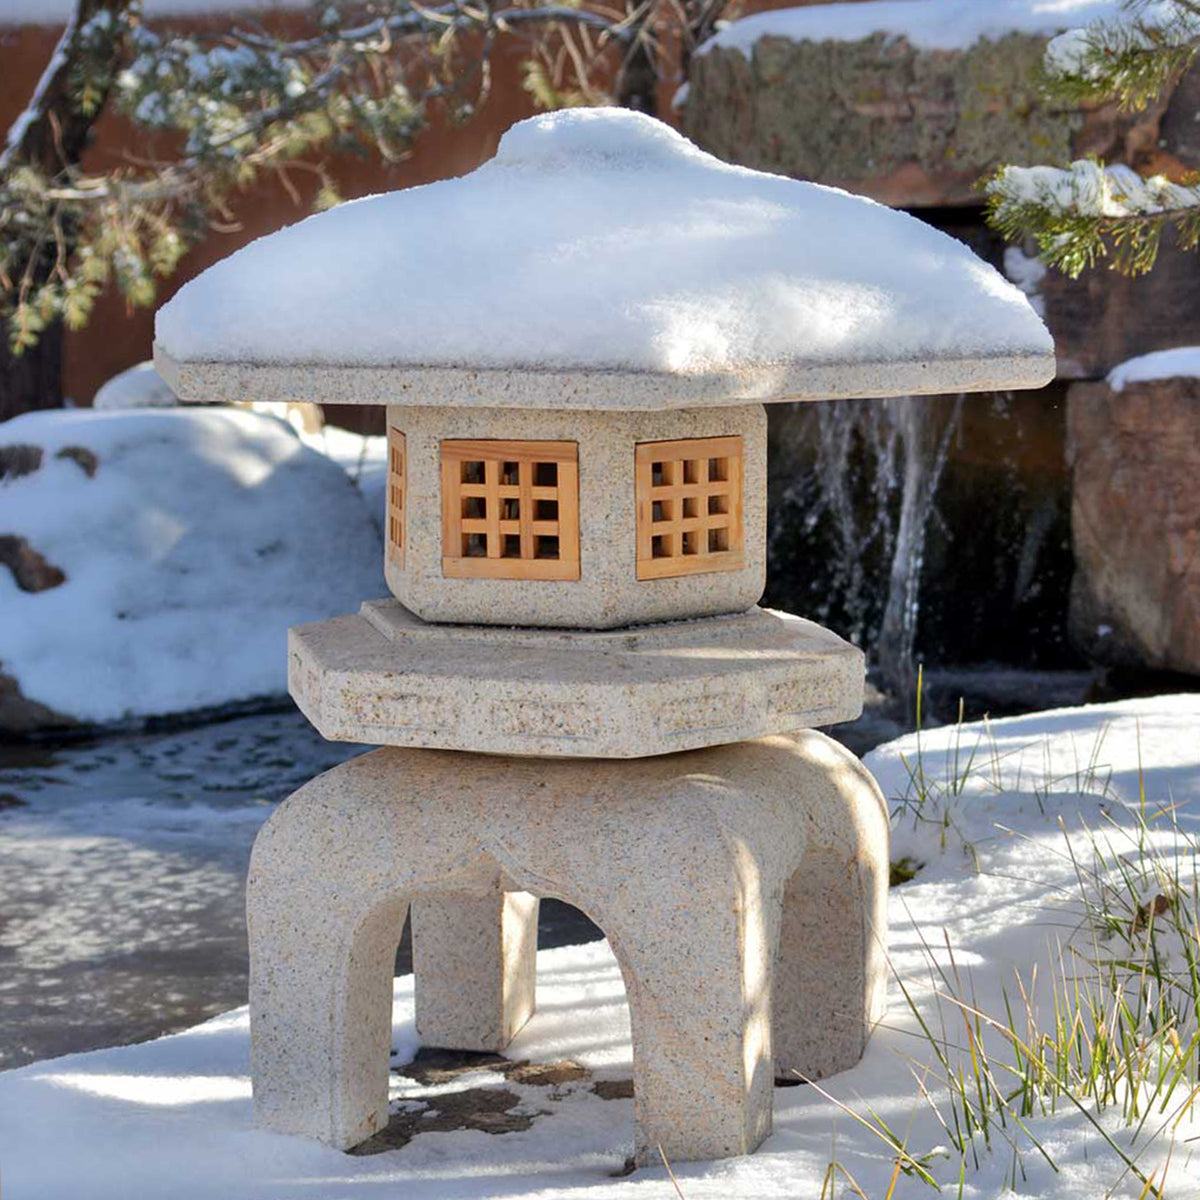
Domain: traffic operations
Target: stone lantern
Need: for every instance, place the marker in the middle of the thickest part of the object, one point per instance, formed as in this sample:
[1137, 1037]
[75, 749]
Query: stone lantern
[575, 693]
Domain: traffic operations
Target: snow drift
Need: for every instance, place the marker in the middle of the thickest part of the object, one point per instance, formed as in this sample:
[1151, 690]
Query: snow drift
[189, 541]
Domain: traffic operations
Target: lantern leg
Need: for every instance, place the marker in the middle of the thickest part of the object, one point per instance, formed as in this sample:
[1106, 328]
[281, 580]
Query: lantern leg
[475, 964]
[831, 973]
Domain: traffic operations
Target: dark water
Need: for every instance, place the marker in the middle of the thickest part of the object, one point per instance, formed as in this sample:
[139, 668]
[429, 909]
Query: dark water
[931, 530]
[122, 867]
[122, 879]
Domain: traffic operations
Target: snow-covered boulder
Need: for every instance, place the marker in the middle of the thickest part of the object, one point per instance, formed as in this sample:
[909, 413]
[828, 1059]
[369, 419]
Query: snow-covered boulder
[907, 101]
[152, 560]
[140, 386]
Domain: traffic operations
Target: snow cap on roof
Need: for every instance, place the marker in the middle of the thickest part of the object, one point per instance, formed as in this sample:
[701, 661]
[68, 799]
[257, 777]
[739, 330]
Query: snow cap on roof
[603, 240]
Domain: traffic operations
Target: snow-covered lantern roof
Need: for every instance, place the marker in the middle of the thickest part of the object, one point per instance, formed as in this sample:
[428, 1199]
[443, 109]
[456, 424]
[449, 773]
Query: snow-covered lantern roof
[601, 261]
[627, 289]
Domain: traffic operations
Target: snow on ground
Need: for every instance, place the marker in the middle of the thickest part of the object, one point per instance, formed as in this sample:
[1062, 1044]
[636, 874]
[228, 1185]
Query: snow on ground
[363, 457]
[172, 1118]
[190, 541]
[929, 24]
[1181, 363]
[601, 238]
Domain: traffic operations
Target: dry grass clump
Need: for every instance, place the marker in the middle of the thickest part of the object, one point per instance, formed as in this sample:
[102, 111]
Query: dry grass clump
[1113, 1033]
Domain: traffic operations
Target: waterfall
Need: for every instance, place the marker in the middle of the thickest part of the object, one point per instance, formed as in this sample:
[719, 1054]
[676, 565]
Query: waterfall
[869, 482]
[923, 439]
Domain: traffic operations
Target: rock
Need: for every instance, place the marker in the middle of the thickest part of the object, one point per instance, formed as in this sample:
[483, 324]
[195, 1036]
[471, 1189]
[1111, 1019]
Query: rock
[155, 558]
[20, 715]
[1103, 318]
[30, 570]
[1135, 517]
[1179, 132]
[82, 457]
[911, 127]
[18, 460]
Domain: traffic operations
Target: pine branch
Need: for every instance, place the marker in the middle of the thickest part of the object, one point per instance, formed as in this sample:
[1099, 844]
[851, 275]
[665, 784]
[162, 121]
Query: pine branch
[1088, 212]
[55, 124]
[243, 103]
[1132, 59]
[440, 17]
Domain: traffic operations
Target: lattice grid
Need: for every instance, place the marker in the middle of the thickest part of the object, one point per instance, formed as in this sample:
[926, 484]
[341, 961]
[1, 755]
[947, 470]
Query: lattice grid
[510, 510]
[396, 495]
[689, 507]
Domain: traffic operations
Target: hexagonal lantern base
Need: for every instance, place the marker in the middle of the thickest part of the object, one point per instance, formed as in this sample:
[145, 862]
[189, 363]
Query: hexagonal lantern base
[386, 677]
[576, 519]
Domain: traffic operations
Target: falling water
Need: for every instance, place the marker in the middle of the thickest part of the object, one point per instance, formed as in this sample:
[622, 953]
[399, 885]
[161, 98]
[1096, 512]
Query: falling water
[872, 484]
[922, 443]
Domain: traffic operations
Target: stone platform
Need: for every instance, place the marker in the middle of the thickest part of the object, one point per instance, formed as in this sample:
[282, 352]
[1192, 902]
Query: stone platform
[384, 676]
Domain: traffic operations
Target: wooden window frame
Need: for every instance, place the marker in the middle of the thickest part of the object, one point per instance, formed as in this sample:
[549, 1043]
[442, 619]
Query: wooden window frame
[397, 496]
[682, 513]
[507, 511]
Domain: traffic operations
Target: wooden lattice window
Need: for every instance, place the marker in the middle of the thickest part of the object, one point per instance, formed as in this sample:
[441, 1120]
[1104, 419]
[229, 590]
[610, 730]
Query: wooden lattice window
[396, 495]
[689, 507]
[510, 510]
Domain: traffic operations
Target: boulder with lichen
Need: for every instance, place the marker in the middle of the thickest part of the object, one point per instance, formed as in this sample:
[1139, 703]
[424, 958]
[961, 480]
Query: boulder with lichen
[905, 124]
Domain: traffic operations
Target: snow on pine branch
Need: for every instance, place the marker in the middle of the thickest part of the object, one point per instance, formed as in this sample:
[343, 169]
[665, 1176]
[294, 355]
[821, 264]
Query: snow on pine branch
[1090, 189]
[1088, 211]
[1132, 57]
[33, 110]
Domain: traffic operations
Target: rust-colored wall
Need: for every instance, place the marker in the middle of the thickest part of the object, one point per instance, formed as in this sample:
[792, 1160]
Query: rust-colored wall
[117, 337]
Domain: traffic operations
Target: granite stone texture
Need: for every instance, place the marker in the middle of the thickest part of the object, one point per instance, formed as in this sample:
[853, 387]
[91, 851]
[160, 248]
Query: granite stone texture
[742, 889]
[604, 391]
[386, 677]
[608, 592]
[475, 962]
